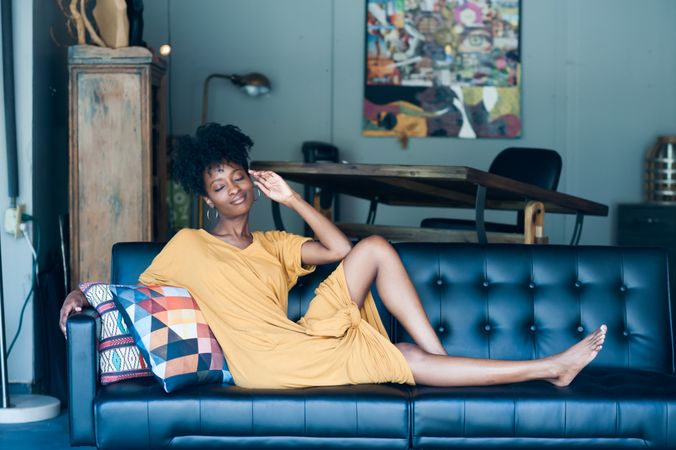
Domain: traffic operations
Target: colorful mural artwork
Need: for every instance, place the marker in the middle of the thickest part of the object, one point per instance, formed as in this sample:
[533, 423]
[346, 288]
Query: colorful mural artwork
[442, 68]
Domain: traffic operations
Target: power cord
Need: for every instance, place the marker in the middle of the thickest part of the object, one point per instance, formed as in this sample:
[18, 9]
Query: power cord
[26, 218]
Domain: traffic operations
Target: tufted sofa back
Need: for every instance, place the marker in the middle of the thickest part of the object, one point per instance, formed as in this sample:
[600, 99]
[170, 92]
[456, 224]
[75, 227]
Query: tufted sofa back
[516, 301]
[130, 259]
[524, 302]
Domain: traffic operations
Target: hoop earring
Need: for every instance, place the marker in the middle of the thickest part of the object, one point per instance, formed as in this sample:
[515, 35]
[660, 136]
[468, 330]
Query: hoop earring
[258, 194]
[208, 213]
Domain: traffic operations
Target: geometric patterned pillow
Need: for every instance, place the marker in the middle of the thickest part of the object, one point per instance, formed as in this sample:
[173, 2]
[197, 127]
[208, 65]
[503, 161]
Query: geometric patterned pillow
[172, 334]
[119, 357]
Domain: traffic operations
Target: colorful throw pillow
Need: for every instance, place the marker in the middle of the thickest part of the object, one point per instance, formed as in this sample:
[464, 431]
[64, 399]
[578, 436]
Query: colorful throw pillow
[170, 330]
[119, 357]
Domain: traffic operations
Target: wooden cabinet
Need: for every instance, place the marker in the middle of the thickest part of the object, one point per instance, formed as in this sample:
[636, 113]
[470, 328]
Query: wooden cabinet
[649, 224]
[117, 154]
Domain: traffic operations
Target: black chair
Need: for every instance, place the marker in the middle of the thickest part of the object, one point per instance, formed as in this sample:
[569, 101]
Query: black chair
[537, 166]
[324, 200]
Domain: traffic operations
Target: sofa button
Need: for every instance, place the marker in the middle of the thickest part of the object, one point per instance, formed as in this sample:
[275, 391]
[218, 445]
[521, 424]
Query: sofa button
[623, 288]
[625, 333]
[580, 329]
[441, 329]
[531, 285]
[440, 282]
[578, 284]
[487, 327]
[485, 283]
[533, 328]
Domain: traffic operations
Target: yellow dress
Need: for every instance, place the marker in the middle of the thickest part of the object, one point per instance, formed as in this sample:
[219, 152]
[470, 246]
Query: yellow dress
[243, 295]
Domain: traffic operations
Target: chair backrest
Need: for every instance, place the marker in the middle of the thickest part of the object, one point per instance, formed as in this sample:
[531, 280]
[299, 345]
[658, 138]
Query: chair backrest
[538, 166]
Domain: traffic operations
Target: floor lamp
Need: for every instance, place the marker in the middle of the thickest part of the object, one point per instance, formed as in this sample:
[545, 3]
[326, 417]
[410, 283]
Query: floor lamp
[253, 85]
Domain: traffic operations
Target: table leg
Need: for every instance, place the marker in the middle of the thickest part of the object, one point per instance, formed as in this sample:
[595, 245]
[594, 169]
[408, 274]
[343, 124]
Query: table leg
[479, 208]
[577, 231]
[534, 223]
[371, 218]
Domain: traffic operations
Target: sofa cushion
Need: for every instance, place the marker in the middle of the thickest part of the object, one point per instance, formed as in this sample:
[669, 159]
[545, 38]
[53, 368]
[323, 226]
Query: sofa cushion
[215, 416]
[172, 334]
[119, 357]
[613, 408]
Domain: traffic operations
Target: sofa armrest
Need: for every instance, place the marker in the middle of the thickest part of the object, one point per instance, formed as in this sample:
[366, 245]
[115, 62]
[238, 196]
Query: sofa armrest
[82, 375]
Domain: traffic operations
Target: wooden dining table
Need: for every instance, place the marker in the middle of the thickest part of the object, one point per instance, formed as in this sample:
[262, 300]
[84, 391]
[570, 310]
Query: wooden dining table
[427, 185]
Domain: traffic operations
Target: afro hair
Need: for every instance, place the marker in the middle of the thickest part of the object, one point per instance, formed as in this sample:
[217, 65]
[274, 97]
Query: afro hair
[212, 144]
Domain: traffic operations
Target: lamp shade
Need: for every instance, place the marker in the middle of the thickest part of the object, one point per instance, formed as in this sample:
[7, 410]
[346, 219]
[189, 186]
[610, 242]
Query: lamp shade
[253, 84]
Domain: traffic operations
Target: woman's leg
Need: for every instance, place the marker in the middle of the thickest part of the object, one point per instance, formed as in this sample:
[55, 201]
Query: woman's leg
[374, 259]
[560, 369]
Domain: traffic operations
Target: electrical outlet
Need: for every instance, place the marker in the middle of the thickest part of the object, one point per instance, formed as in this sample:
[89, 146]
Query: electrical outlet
[13, 220]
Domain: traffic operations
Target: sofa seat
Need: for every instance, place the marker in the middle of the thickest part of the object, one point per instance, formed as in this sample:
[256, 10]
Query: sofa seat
[138, 414]
[604, 408]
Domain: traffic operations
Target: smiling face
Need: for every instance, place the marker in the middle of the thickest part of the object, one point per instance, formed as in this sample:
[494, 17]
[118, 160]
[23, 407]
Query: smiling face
[229, 189]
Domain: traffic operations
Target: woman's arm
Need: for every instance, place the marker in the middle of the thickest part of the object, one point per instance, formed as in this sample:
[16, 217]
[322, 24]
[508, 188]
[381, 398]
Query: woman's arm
[332, 244]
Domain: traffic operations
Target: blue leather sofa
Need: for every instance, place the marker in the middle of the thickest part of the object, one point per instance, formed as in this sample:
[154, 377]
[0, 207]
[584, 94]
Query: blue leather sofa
[495, 301]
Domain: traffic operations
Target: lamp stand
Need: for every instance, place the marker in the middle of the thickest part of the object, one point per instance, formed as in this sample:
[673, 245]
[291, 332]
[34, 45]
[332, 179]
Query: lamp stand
[21, 408]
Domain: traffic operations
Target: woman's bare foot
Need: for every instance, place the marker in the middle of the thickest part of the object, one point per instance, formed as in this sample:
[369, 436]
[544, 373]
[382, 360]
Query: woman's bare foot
[570, 362]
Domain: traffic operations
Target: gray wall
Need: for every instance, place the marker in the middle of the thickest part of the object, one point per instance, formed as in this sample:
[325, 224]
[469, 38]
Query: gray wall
[598, 87]
[16, 256]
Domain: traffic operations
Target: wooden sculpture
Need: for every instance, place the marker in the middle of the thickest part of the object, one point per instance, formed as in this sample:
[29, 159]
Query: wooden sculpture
[77, 17]
[111, 19]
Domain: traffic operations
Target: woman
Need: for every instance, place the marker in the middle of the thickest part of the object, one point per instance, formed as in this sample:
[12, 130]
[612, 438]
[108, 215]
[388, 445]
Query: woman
[241, 279]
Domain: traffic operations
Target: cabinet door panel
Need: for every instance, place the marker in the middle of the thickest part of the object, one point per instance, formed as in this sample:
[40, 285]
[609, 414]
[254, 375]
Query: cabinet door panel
[112, 166]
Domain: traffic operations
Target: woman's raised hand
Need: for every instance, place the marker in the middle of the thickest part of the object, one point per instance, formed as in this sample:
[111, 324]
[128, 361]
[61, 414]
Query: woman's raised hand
[272, 185]
[330, 243]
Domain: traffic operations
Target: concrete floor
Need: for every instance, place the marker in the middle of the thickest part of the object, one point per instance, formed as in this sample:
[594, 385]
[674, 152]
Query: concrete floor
[49, 434]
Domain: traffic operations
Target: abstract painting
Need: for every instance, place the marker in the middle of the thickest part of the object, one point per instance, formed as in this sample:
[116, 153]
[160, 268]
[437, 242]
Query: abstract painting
[442, 68]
